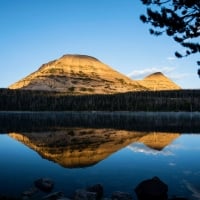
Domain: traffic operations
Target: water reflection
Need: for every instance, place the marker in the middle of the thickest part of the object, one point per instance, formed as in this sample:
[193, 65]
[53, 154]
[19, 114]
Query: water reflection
[117, 150]
[79, 147]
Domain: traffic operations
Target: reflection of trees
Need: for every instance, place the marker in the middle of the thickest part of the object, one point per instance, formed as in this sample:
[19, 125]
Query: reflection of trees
[141, 121]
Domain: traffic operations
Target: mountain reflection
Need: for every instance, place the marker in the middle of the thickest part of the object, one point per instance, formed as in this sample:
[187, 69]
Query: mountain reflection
[82, 147]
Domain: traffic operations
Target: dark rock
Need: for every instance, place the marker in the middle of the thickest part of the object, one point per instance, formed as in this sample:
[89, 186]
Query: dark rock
[84, 195]
[121, 196]
[178, 198]
[54, 195]
[30, 192]
[98, 189]
[44, 184]
[152, 189]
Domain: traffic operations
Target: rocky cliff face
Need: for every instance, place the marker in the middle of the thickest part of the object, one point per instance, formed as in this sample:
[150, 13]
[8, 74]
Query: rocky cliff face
[80, 147]
[81, 74]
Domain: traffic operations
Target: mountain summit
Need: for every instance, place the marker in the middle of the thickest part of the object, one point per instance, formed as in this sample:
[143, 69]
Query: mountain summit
[78, 74]
[82, 74]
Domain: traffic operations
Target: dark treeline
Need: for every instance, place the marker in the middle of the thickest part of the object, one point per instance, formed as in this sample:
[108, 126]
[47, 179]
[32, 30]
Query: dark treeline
[27, 100]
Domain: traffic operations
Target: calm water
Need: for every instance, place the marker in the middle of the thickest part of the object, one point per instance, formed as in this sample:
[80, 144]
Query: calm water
[79, 156]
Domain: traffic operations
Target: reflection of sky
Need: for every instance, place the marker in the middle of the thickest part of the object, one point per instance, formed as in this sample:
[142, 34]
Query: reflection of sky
[185, 142]
[182, 159]
[141, 148]
[194, 190]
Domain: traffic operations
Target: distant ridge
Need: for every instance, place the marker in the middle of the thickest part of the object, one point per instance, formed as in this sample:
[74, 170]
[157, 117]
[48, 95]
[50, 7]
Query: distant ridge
[83, 74]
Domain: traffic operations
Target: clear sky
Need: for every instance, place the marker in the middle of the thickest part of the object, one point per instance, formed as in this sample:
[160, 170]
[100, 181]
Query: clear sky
[33, 32]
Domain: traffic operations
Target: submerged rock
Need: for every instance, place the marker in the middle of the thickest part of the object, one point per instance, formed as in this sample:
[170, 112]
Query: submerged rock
[152, 189]
[54, 195]
[82, 194]
[44, 184]
[30, 192]
[118, 195]
[98, 189]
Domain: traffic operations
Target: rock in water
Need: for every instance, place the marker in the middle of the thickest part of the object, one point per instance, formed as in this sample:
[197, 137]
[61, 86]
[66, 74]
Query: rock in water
[152, 189]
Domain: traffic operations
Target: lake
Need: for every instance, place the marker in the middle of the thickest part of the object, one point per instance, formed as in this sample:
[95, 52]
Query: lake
[117, 150]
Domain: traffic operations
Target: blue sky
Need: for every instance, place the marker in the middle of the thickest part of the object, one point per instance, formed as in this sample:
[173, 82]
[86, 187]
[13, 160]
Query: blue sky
[34, 32]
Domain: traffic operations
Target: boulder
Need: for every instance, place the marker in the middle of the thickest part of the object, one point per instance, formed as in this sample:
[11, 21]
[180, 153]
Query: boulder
[152, 189]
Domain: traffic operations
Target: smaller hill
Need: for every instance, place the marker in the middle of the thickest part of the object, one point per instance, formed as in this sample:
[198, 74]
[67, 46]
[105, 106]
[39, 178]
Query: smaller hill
[158, 81]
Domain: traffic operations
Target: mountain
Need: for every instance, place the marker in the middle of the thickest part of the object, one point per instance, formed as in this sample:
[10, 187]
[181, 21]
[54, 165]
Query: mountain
[78, 74]
[82, 74]
[158, 81]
